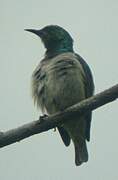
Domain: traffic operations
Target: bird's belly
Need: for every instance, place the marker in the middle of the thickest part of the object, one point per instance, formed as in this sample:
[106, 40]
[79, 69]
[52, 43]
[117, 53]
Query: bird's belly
[63, 88]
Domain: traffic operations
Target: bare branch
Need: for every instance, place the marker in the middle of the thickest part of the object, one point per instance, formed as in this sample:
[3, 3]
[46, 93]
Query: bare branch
[39, 126]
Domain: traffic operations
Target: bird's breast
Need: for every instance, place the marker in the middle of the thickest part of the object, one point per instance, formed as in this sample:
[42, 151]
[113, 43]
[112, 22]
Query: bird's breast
[58, 83]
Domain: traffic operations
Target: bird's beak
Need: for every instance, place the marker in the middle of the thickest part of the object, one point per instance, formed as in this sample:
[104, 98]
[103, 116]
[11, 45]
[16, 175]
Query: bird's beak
[37, 32]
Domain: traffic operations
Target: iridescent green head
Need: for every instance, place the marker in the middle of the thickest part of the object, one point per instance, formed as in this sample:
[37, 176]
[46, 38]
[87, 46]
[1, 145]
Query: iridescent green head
[55, 39]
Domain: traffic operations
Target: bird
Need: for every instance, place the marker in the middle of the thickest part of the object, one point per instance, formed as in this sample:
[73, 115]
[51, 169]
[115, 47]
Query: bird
[61, 79]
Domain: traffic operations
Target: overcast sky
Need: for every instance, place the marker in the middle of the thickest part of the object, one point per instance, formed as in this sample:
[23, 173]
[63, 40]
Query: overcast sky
[93, 25]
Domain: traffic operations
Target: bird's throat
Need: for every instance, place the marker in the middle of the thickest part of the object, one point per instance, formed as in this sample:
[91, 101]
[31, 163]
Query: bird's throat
[55, 51]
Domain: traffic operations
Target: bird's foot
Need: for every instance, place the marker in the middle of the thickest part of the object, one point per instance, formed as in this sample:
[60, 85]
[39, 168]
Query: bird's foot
[42, 118]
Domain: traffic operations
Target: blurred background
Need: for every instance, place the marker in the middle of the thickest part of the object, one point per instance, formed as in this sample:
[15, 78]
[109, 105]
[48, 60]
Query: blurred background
[94, 27]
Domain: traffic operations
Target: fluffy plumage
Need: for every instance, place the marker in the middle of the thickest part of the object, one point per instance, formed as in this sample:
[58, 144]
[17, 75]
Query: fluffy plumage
[62, 79]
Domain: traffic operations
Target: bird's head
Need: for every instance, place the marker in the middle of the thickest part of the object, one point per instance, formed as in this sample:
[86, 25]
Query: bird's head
[54, 38]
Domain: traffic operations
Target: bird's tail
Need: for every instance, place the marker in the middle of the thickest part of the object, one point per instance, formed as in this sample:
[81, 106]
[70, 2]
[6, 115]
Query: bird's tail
[81, 153]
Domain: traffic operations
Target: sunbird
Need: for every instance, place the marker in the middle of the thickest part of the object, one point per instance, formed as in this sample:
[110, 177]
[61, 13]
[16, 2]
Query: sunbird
[62, 79]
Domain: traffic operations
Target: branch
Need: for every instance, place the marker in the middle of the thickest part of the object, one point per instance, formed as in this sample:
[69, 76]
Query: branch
[46, 123]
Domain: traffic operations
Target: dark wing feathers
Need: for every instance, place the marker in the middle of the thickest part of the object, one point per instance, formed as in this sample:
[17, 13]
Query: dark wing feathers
[64, 135]
[89, 84]
[89, 90]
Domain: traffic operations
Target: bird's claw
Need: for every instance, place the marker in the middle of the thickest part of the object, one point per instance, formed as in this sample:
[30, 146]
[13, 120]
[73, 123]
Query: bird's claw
[42, 118]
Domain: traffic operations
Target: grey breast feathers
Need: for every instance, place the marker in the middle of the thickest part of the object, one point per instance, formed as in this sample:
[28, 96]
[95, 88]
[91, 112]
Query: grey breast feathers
[47, 67]
[37, 85]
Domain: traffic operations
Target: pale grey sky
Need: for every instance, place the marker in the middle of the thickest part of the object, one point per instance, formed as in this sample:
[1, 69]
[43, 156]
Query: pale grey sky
[94, 26]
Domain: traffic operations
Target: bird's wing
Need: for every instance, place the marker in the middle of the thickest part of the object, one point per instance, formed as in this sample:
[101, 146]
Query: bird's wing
[89, 90]
[64, 135]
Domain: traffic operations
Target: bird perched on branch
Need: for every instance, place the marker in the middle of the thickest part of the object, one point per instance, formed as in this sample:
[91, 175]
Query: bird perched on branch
[63, 79]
